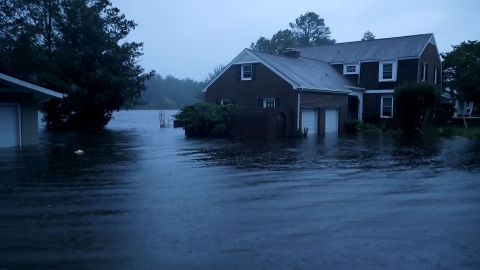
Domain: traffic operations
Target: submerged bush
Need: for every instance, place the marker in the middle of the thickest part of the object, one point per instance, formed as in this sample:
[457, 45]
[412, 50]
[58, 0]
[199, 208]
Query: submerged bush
[444, 113]
[204, 120]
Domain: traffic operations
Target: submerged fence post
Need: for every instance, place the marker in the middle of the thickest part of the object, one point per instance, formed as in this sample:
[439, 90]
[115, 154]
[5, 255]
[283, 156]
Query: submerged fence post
[161, 116]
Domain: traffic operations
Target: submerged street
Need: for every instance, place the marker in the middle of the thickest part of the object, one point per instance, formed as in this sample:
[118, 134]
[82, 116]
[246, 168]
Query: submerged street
[144, 197]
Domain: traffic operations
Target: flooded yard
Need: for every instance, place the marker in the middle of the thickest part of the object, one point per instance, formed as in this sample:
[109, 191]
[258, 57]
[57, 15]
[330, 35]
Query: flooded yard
[142, 197]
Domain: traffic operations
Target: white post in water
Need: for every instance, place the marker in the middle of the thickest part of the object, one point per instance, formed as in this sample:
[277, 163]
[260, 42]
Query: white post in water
[161, 116]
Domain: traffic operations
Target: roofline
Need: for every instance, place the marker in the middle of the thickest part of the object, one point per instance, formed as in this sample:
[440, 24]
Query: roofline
[347, 42]
[259, 60]
[333, 91]
[30, 86]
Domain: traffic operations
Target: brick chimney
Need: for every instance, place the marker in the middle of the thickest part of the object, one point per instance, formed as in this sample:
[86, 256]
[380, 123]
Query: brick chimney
[292, 53]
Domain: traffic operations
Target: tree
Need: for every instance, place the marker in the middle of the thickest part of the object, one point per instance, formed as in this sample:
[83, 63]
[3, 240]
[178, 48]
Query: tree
[368, 36]
[310, 30]
[461, 70]
[216, 70]
[78, 47]
[413, 101]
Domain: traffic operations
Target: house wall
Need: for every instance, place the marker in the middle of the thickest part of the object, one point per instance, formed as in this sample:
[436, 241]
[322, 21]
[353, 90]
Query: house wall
[266, 84]
[430, 56]
[407, 70]
[322, 101]
[28, 115]
[371, 114]
[251, 119]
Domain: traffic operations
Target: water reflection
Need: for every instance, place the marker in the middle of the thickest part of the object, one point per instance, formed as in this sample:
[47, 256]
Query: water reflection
[144, 197]
[356, 152]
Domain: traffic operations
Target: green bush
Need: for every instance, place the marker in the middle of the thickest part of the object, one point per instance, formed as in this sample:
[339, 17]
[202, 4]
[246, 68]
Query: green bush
[413, 100]
[204, 120]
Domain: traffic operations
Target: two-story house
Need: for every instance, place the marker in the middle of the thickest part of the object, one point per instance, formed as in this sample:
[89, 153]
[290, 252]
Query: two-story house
[320, 87]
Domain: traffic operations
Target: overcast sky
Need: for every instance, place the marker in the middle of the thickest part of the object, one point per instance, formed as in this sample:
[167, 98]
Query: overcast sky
[188, 38]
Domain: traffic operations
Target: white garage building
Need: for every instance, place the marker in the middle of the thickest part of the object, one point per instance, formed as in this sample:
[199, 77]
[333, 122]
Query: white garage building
[19, 110]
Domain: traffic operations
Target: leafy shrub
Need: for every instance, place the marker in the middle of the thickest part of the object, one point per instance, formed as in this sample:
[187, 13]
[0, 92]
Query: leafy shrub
[444, 113]
[204, 120]
[353, 125]
[413, 100]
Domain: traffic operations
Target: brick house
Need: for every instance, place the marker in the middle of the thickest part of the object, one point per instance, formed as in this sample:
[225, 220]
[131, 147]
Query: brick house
[320, 87]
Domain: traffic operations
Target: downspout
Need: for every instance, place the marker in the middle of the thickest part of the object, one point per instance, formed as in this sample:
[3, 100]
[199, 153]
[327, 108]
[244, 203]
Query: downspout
[298, 107]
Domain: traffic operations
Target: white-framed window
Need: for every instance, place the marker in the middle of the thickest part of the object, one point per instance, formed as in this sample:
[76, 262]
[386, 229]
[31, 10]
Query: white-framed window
[225, 101]
[424, 71]
[435, 76]
[387, 71]
[268, 103]
[386, 107]
[350, 69]
[247, 72]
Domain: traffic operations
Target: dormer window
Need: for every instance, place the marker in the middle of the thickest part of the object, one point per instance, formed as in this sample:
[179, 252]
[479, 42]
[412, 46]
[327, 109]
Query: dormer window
[247, 72]
[387, 71]
[350, 69]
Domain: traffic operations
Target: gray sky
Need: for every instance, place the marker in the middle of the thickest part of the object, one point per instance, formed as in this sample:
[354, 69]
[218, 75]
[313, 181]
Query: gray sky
[187, 38]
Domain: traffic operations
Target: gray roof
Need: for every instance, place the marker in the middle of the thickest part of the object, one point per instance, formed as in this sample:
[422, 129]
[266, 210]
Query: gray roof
[18, 86]
[378, 49]
[306, 73]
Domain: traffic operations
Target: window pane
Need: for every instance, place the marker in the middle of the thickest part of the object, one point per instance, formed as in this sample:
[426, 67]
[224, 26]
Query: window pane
[246, 71]
[351, 69]
[387, 111]
[387, 71]
[387, 102]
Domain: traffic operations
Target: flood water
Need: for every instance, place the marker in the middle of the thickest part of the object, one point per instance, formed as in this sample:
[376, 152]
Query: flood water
[144, 197]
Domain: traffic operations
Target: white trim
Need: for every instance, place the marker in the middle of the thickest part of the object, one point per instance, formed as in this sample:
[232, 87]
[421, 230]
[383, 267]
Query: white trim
[298, 110]
[242, 72]
[346, 72]
[424, 71]
[19, 114]
[265, 100]
[384, 91]
[408, 58]
[394, 71]
[30, 86]
[381, 106]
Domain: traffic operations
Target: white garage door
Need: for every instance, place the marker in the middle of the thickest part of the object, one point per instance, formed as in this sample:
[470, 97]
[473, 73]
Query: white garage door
[310, 120]
[9, 131]
[331, 120]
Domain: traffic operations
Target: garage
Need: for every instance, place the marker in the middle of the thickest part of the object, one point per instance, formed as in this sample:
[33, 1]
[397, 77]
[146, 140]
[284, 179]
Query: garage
[331, 120]
[310, 120]
[9, 129]
[19, 110]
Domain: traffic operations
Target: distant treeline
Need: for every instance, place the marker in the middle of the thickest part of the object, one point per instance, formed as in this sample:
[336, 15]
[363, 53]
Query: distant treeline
[170, 93]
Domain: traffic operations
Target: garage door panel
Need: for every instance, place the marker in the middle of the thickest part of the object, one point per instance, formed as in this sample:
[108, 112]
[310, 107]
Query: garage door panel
[9, 125]
[331, 120]
[310, 120]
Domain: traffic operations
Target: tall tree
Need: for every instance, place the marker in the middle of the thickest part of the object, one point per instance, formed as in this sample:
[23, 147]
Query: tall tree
[310, 30]
[78, 47]
[461, 70]
[368, 36]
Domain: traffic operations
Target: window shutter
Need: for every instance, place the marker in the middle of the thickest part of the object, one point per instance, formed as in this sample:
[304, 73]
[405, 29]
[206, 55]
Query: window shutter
[260, 102]
[277, 103]
[239, 72]
[254, 72]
